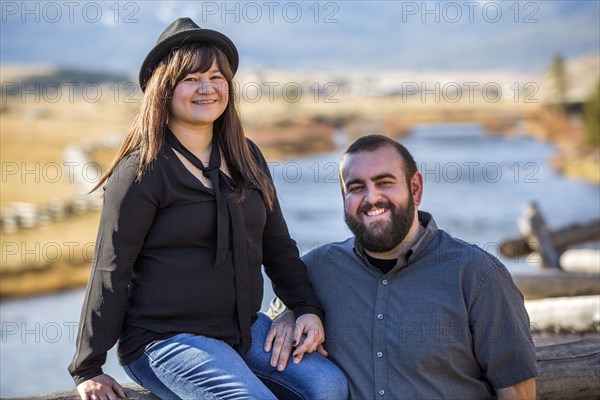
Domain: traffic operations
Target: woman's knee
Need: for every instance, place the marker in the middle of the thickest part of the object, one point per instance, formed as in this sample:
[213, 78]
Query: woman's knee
[192, 366]
[315, 378]
[331, 385]
[319, 379]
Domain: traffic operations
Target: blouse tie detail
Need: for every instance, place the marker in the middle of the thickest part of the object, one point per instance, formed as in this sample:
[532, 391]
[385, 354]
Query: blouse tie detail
[229, 214]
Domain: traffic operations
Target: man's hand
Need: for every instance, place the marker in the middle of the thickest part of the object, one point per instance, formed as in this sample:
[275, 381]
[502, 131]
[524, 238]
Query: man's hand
[308, 336]
[101, 387]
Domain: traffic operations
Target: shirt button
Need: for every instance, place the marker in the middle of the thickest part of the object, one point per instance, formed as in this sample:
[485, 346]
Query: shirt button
[381, 392]
[384, 282]
[379, 354]
[380, 316]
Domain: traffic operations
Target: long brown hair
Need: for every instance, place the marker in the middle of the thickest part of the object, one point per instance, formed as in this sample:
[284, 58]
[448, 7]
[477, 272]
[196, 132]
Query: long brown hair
[148, 129]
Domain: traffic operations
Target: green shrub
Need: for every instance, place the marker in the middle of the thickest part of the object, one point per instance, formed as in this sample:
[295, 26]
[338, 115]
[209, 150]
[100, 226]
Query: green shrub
[591, 115]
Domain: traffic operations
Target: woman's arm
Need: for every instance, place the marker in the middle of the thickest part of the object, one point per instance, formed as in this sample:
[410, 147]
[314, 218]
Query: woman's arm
[127, 214]
[290, 282]
[282, 260]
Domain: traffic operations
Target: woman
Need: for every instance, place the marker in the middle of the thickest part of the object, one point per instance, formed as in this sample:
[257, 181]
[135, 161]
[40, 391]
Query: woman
[189, 216]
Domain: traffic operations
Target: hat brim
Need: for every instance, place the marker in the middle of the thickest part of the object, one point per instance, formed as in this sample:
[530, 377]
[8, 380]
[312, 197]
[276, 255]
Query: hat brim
[164, 47]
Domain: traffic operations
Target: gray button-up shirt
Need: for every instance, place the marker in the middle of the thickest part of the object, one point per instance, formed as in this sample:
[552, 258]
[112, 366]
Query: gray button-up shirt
[446, 322]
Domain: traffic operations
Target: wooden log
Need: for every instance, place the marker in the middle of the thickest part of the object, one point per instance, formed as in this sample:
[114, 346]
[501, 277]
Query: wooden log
[566, 371]
[27, 214]
[133, 392]
[80, 205]
[565, 314]
[569, 371]
[557, 284]
[581, 260]
[57, 208]
[534, 227]
[9, 221]
[561, 239]
[44, 216]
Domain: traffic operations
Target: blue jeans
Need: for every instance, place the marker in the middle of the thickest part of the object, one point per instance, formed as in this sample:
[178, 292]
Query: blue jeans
[195, 367]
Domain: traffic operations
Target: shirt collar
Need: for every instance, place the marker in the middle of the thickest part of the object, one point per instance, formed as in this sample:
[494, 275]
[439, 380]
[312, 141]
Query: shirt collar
[430, 230]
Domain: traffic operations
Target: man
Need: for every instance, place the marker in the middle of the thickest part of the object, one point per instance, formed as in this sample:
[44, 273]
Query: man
[411, 312]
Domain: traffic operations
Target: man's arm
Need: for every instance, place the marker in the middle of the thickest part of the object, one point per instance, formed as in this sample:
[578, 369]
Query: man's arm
[521, 391]
[510, 357]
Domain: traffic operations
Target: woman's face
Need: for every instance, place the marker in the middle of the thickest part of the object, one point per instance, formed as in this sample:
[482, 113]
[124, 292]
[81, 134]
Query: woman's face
[199, 99]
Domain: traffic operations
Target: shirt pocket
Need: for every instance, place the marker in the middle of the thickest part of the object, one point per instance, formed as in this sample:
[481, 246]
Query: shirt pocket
[423, 341]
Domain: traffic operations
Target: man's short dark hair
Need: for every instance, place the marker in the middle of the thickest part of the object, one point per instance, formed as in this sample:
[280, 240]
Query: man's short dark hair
[375, 142]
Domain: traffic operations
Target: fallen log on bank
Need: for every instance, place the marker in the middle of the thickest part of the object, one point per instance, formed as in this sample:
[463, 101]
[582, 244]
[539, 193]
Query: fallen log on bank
[566, 371]
[533, 226]
[561, 239]
[565, 314]
[557, 284]
[581, 260]
[133, 392]
[569, 371]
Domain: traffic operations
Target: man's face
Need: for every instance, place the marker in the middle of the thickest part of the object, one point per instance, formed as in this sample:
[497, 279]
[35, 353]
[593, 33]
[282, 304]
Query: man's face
[379, 205]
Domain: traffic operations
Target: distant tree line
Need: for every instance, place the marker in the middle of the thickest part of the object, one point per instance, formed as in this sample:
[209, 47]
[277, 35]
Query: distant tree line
[591, 107]
[63, 76]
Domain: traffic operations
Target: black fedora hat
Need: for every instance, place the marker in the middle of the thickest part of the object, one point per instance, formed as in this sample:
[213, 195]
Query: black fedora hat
[183, 31]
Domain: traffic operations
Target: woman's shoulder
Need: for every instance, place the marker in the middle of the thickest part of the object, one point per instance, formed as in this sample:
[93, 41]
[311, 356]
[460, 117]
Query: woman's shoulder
[254, 148]
[128, 165]
[256, 153]
[127, 170]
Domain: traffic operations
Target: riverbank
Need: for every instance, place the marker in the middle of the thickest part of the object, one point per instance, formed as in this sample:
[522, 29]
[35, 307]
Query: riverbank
[575, 156]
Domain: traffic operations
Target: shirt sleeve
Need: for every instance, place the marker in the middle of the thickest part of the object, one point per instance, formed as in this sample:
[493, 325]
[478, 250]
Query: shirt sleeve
[127, 214]
[281, 259]
[276, 306]
[500, 327]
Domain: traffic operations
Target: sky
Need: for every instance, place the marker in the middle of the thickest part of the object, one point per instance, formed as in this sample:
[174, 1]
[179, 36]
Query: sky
[348, 35]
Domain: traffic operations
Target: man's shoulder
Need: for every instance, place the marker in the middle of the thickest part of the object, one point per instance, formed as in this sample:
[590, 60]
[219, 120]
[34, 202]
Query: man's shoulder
[451, 243]
[474, 266]
[469, 255]
[327, 253]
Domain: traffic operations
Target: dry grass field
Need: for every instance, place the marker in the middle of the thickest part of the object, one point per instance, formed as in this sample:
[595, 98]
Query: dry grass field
[33, 136]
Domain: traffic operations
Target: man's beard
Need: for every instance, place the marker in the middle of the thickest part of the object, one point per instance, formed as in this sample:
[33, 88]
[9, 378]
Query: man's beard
[382, 236]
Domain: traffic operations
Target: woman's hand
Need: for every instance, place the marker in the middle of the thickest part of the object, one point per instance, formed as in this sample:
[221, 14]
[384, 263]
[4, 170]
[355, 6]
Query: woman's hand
[308, 336]
[101, 387]
[280, 338]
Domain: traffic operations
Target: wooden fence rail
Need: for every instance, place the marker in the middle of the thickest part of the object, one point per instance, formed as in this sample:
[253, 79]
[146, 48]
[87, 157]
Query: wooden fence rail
[22, 215]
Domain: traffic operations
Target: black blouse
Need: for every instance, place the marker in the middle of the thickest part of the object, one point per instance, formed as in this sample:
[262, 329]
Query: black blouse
[154, 272]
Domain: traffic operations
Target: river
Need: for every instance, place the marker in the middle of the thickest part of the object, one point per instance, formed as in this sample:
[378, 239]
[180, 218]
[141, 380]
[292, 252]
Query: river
[475, 186]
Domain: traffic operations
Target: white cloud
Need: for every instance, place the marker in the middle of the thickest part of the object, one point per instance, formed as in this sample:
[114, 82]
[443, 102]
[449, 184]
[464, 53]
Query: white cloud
[165, 11]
